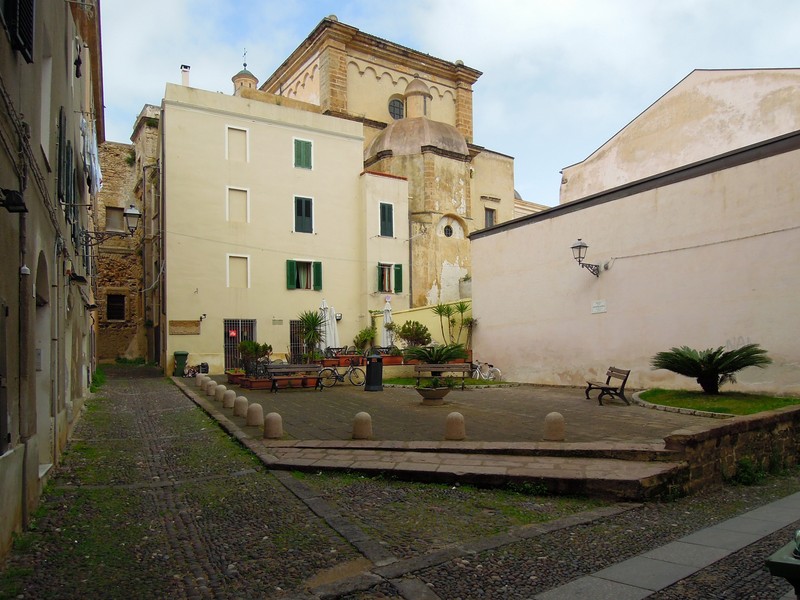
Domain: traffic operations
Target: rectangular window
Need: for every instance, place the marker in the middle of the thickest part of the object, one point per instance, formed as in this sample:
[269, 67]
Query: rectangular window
[489, 216]
[114, 219]
[303, 215]
[303, 275]
[390, 278]
[238, 271]
[236, 144]
[302, 154]
[387, 219]
[115, 307]
[19, 21]
[238, 206]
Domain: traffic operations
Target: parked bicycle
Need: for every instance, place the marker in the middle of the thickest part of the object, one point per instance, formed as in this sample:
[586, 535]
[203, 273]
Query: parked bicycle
[330, 375]
[486, 371]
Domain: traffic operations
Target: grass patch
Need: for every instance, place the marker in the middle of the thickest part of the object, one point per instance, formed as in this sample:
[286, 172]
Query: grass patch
[412, 381]
[732, 403]
[130, 361]
[98, 380]
[412, 517]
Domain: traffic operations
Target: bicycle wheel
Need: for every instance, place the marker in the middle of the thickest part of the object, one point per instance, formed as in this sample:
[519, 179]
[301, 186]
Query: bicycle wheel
[357, 376]
[327, 377]
[494, 374]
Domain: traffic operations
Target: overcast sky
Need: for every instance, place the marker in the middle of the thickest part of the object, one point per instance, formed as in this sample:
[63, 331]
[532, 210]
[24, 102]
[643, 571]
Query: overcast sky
[560, 77]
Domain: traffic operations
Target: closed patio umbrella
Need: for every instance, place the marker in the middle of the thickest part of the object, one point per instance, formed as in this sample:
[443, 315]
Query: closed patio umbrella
[387, 338]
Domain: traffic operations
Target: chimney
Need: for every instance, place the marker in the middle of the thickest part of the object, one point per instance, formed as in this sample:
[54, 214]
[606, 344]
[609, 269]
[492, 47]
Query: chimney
[185, 75]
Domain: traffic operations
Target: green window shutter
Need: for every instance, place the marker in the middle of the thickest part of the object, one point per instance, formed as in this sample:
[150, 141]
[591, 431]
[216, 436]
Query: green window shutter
[302, 154]
[291, 275]
[387, 221]
[316, 267]
[62, 155]
[398, 279]
[380, 279]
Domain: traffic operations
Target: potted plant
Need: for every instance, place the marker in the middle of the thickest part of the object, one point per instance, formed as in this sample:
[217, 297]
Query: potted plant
[362, 341]
[311, 325]
[434, 390]
[394, 357]
[251, 352]
[234, 376]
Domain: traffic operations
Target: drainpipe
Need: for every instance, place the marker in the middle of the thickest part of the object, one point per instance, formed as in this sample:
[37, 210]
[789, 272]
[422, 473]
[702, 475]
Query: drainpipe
[23, 362]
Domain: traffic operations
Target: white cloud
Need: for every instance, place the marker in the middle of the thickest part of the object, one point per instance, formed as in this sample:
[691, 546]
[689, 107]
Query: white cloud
[560, 78]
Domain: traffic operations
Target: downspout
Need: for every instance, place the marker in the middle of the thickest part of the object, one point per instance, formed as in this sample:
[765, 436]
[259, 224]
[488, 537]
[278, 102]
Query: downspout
[22, 363]
[54, 345]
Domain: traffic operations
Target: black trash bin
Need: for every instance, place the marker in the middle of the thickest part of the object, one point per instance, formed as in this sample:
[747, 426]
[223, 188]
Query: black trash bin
[374, 381]
[180, 362]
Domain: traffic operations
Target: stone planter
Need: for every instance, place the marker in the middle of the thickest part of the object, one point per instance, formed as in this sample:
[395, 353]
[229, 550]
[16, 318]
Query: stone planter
[234, 378]
[433, 396]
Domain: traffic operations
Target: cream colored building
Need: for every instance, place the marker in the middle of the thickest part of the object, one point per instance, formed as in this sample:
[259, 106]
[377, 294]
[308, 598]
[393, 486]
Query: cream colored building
[417, 115]
[695, 244]
[51, 123]
[266, 211]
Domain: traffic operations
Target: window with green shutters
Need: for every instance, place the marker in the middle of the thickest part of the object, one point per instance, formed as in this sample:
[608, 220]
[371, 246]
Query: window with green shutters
[387, 219]
[302, 154]
[390, 278]
[303, 215]
[303, 275]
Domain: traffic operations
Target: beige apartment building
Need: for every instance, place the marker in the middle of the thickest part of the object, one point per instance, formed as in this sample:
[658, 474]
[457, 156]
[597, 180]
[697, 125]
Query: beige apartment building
[266, 211]
[51, 123]
[690, 213]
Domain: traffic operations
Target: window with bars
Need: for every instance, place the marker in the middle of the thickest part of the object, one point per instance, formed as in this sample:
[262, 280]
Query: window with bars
[302, 154]
[303, 215]
[387, 219]
[303, 275]
[390, 278]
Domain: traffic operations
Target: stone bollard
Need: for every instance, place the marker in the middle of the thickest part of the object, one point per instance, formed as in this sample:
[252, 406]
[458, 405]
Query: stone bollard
[227, 399]
[240, 407]
[204, 379]
[454, 428]
[211, 388]
[554, 427]
[362, 426]
[198, 379]
[273, 426]
[255, 415]
[219, 391]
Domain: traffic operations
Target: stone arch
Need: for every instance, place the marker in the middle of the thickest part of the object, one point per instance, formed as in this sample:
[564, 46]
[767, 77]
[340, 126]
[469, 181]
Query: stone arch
[458, 227]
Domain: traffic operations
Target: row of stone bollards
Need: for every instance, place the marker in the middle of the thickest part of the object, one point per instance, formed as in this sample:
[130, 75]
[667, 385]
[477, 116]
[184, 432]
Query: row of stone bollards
[454, 426]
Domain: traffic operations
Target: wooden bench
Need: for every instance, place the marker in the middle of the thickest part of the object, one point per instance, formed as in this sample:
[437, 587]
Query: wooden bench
[294, 376]
[463, 368]
[608, 388]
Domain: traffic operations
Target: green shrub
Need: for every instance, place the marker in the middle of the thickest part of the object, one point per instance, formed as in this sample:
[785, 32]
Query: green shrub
[413, 333]
[747, 473]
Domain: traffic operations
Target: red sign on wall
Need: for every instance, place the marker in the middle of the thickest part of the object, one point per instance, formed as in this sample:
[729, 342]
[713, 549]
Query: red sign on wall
[231, 333]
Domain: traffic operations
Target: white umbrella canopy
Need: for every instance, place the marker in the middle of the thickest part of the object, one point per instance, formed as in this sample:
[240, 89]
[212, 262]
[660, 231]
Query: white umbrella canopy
[329, 330]
[387, 338]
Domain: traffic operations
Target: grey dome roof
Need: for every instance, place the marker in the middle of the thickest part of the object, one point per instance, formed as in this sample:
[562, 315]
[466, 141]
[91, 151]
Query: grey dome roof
[407, 136]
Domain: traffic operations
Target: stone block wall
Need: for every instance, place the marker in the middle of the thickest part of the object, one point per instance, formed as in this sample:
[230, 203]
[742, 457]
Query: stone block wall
[768, 440]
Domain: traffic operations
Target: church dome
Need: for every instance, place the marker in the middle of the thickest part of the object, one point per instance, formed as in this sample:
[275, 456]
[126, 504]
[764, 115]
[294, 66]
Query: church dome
[407, 136]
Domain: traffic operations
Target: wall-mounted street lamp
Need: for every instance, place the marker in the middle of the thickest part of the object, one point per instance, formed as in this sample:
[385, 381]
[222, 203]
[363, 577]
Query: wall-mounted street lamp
[132, 216]
[12, 201]
[579, 253]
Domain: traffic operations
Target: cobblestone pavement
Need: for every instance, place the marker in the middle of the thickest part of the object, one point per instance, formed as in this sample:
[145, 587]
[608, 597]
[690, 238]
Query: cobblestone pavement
[154, 500]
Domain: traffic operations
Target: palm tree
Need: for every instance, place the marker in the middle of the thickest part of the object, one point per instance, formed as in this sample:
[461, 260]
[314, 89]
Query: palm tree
[711, 367]
[311, 325]
[444, 311]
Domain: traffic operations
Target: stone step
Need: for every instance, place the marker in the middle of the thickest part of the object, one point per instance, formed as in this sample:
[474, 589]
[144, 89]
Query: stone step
[609, 478]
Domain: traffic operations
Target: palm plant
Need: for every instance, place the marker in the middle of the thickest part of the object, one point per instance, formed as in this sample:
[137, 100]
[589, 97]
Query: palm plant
[435, 354]
[311, 324]
[711, 367]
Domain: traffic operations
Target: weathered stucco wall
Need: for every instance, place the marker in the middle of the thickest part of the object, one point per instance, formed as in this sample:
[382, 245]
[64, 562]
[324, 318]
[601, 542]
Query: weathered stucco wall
[703, 262]
[707, 114]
